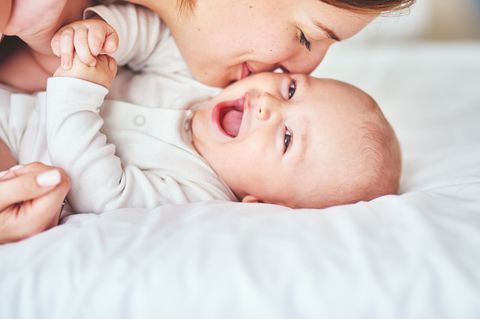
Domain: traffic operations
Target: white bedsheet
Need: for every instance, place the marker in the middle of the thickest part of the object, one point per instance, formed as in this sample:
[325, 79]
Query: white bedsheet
[416, 255]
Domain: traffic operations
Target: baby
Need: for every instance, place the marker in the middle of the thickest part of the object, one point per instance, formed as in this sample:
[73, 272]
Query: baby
[298, 141]
[292, 45]
[158, 148]
[286, 139]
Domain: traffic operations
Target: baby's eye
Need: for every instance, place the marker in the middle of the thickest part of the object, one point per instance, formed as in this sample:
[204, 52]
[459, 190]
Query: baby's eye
[292, 89]
[287, 139]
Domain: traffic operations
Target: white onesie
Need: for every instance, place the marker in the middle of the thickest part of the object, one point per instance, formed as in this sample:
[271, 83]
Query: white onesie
[133, 149]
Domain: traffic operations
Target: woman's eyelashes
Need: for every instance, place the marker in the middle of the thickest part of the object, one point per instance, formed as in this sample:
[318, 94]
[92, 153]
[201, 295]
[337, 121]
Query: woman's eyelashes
[292, 88]
[287, 139]
[304, 41]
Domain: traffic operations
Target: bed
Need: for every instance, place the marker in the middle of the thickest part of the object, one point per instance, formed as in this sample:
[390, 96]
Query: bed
[415, 255]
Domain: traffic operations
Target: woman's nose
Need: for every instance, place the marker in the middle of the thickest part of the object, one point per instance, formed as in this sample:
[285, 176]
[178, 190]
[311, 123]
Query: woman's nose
[306, 61]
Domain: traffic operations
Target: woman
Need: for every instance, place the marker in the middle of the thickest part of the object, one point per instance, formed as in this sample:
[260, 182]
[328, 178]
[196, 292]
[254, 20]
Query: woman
[221, 42]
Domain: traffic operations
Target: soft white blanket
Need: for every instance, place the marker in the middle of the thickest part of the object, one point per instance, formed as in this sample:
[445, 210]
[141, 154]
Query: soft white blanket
[415, 255]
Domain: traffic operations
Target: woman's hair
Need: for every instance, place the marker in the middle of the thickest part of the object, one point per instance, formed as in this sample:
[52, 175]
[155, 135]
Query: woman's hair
[367, 6]
[186, 5]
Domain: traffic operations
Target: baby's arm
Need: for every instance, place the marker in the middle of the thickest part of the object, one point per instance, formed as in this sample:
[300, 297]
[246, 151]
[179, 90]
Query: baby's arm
[100, 181]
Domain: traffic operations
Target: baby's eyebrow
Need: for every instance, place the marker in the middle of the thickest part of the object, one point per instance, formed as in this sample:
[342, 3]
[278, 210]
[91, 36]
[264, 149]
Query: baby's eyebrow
[300, 137]
[328, 31]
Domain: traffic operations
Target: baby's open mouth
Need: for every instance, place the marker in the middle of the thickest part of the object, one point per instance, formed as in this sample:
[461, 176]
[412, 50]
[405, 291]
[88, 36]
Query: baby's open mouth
[230, 115]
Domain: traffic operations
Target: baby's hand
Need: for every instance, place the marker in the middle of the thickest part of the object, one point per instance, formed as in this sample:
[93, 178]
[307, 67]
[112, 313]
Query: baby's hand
[101, 73]
[86, 38]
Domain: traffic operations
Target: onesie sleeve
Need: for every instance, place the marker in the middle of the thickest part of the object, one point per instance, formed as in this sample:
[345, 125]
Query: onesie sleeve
[139, 30]
[100, 182]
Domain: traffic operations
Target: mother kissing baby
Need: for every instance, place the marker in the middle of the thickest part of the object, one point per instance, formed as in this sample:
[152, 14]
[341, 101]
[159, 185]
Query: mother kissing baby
[220, 43]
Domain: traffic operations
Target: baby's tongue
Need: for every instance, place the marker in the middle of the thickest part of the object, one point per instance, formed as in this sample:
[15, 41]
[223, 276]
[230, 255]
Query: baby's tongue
[232, 121]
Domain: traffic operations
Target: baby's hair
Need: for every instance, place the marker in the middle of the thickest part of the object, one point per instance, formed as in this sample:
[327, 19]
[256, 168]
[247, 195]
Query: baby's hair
[381, 151]
[367, 6]
[380, 168]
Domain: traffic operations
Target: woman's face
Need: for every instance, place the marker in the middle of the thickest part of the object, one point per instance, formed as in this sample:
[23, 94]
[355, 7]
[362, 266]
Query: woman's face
[223, 41]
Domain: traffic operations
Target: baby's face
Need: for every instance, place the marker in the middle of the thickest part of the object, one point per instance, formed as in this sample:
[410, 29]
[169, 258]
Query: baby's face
[283, 138]
[224, 40]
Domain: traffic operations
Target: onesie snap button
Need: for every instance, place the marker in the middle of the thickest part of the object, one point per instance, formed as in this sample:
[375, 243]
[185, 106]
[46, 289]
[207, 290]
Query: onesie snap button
[139, 120]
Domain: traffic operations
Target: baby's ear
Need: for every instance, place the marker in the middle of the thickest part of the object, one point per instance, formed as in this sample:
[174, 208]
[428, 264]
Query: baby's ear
[250, 199]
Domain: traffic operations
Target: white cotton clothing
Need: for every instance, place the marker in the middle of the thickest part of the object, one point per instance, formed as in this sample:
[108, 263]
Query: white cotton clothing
[157, 75]
[117, 154]
[134, 153]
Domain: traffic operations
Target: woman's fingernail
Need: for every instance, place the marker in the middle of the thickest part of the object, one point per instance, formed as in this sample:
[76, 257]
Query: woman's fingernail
[3, 173]
[14, 168]
[50, 178]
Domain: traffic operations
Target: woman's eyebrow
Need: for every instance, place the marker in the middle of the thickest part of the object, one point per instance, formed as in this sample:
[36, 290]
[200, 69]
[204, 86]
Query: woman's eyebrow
[329, 32]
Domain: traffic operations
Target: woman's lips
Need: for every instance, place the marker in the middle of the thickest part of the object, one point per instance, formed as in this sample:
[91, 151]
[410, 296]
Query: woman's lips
[227, 117]
[245, 71]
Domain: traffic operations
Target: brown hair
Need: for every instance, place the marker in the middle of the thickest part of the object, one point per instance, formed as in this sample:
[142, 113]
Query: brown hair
[186, 5]
[371, 6]
[382, 156]
[367, 6]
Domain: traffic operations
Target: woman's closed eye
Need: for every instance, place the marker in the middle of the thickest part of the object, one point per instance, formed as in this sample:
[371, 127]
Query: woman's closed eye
[287, 139]
[304, 41]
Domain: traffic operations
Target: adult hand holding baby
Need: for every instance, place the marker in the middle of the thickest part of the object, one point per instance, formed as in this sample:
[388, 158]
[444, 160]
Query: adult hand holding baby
[31, 200]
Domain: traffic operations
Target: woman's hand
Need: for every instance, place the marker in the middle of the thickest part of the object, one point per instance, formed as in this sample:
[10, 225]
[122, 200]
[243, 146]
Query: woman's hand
[31, 200]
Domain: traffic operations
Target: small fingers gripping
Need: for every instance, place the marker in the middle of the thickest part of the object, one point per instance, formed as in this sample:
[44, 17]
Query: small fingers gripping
[102, 39]
[81, 44]
[111, 43]
[62, 46]
[86, 38]
[102, 73]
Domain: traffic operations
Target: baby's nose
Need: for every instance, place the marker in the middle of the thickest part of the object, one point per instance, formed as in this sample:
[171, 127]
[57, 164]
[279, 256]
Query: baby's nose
[267, 107]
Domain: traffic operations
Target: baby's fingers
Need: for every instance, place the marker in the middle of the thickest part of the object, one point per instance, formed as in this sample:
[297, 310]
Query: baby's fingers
[96, 40]
[66, 48]
[111, 43]
[82, 47]
[55, 44]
